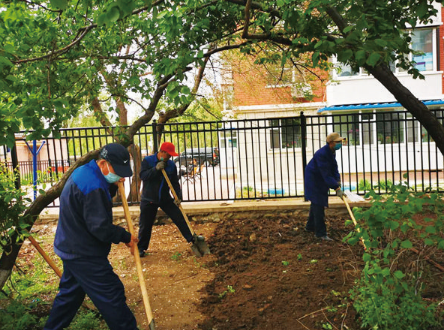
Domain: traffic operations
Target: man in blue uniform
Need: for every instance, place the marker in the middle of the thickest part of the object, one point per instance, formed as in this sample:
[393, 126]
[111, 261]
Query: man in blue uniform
[156, 193]
[83, 240]
[321, 174]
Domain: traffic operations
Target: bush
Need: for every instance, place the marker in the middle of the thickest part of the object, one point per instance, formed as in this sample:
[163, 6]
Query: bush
[16, 317]
[388, 296]
[364, 185]
[12, 207]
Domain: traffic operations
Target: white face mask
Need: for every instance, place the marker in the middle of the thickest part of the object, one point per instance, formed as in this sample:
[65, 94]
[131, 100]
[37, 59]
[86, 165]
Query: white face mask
[111, 177]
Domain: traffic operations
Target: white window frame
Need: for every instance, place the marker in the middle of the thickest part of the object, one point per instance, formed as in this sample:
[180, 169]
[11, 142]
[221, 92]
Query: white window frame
[269, 136]
[363, 73]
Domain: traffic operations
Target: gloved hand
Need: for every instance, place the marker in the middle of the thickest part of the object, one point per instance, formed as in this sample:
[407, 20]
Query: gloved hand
[339, 184]
[177, 202]
[132, 243]
[340, 193]
[160, 166]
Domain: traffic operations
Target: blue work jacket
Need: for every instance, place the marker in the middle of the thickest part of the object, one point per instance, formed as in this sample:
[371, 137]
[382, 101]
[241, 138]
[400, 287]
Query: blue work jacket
[321, 174]
[85, 227]
[155, 188]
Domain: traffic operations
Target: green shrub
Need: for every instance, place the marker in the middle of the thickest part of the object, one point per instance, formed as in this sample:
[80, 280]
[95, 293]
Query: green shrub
[388, 295]
[16, 317]
[386, 185]
[12, 207]
[364, 185]
[87, 320]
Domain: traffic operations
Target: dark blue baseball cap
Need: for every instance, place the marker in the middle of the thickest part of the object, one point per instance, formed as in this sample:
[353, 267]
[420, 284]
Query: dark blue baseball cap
[119, 158]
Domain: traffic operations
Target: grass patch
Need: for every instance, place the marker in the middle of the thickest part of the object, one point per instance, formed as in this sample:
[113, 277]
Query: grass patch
[28, 295]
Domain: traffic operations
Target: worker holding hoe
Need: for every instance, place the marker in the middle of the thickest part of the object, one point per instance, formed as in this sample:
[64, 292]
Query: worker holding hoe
[83, 240]
[156, 193]
[321, 174]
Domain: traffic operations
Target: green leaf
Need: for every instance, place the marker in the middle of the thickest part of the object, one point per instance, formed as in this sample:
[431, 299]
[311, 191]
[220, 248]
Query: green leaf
[386, 271]
[422, 9]
[381, 42]
[366, 257]
[348, 29]
[113, 14]
[373, 59]
[428, 241]
[393, 225]
[345, 55]
[60, 4]
[102, 19]
[6, 61]
[315, 57]
[406, 244]
[9, 48]
[430, 230]
[398, 274]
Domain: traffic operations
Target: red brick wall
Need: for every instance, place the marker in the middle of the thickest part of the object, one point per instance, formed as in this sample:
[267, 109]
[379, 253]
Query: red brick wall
[250, 87]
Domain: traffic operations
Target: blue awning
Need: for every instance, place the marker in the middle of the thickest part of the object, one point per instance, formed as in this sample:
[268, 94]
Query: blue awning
[383, 105]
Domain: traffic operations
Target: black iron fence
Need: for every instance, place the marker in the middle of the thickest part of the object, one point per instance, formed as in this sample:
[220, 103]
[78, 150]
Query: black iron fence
[264, 158]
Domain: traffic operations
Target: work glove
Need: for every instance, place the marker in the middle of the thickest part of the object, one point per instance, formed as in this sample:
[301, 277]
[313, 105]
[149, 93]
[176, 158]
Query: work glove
[160, 166]
[339, 184]
[177, 202]
[340, 193]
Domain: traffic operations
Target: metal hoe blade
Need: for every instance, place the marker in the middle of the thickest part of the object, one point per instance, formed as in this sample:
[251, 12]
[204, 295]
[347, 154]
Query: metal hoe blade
[353, 197]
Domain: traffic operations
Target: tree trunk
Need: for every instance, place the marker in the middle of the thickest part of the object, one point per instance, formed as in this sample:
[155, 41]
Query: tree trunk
[386, 77]
[134, 194]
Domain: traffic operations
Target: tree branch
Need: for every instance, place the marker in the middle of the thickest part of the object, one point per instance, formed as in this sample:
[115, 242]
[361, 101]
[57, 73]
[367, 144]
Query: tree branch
[84, 31]
[257, 5]
[62, 50]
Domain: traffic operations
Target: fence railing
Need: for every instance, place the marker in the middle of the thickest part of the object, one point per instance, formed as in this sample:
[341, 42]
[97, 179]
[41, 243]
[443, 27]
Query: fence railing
[265, 158]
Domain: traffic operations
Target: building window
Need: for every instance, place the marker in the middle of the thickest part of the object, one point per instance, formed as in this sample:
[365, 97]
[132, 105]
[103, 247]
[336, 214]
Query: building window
[367, 128]
[345, 70]
[348, 126]
[389, 128]
[228, 139]
[415, 132]
[423, 50]
[412, 128]
[423, 46]
[285, 133]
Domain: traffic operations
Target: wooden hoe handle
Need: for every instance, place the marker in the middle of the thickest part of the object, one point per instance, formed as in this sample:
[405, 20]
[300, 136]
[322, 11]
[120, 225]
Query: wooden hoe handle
[177, 198]
[45, 256]
[146, 302]
[353, 219]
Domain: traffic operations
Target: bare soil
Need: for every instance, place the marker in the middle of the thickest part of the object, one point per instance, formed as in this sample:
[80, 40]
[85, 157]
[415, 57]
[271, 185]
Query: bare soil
[262, 274]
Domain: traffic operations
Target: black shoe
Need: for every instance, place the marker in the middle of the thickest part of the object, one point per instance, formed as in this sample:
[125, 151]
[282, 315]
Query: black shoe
[142, 254]
[325, 238]
[309, 230]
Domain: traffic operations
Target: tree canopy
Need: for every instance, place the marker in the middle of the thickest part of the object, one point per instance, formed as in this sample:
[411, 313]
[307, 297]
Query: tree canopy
[56, 56]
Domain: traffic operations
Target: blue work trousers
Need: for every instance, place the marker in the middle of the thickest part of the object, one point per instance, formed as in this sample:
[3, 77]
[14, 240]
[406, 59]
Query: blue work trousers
[95, 277]
[316, 220]
[148, 211]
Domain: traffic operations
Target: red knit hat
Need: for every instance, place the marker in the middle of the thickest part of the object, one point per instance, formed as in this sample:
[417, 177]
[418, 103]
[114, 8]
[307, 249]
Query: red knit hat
[169, 148]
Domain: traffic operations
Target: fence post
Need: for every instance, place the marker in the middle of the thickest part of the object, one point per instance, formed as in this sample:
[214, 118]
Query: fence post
[304, 146]
[155, 145]
[15, 166]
